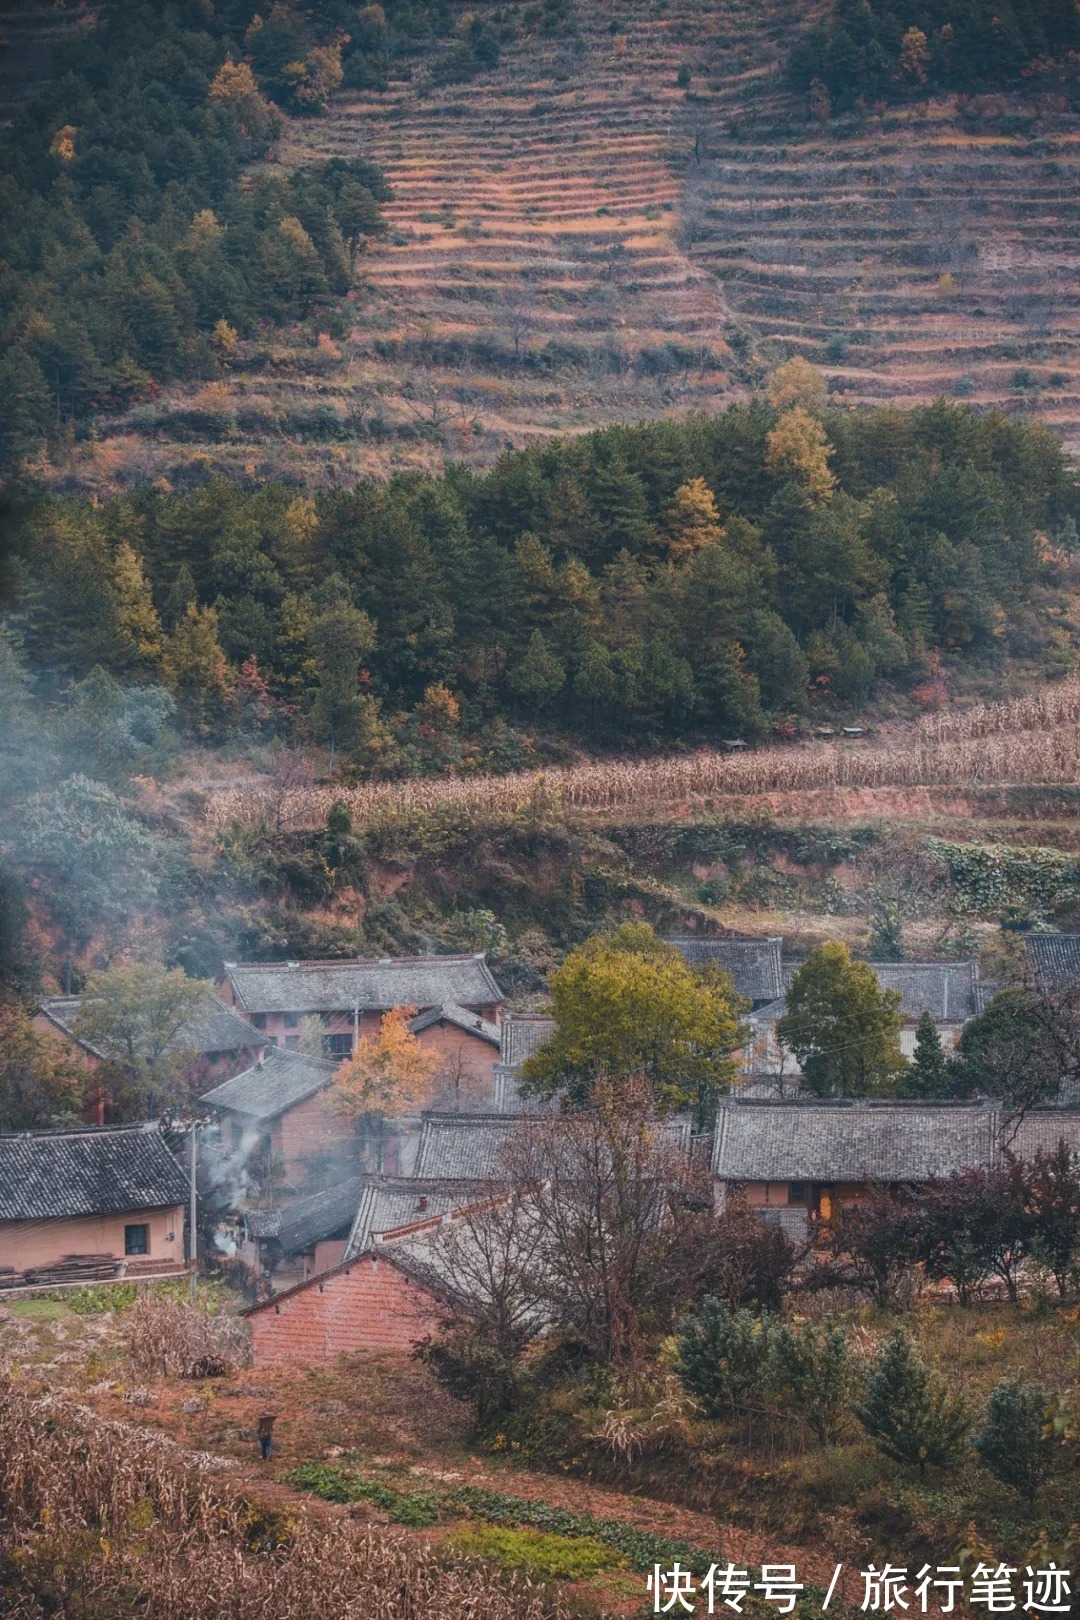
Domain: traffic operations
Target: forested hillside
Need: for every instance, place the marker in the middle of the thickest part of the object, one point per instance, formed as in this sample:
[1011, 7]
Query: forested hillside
[715, 576]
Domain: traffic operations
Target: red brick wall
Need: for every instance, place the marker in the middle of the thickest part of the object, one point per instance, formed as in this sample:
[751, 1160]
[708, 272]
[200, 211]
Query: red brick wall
[367, 1306]
[307, 1131]
[458, 1051]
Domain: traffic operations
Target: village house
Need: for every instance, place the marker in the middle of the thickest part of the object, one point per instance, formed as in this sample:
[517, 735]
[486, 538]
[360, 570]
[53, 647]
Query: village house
[308, 1236]
[218, 1041]
[89, 1203]
[350, 998]
[951, 992]
[800, 1158]
[388, 1203]
[1053, 962]
[753, 965]
[384, 1299]
[276, 1122]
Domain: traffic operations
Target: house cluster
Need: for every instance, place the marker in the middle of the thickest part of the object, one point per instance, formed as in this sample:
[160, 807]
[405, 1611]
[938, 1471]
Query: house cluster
[349, 1251]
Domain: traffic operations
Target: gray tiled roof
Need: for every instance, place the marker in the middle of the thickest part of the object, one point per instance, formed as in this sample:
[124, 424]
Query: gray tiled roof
[1041, 1130]
[336, 986]
[522, 1036]
[469, 1147]
[262, 1223]
[90, 1171]
[850, 1141]
[216, 1029]
[1054, 960]
[508, 1098]
[461, 1017]
[321, 1215]
[754, 964]
[389, 1202]
[279, 1081]
[946, 990]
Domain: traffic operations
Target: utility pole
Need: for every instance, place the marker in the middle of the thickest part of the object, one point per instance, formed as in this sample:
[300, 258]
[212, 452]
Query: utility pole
[194, 1229]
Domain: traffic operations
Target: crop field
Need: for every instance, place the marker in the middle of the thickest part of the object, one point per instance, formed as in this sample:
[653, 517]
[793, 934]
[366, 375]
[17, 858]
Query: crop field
[1031, 740]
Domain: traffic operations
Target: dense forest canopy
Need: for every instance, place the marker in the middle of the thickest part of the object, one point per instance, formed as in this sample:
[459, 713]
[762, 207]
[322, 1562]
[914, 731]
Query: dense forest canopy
[892, 47]
[135, 245]
[709, 576]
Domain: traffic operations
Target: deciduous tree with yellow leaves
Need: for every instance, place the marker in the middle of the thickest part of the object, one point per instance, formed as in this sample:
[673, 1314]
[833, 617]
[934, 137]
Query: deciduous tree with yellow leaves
[629, 1004]
[798, 448]
[388, 1075]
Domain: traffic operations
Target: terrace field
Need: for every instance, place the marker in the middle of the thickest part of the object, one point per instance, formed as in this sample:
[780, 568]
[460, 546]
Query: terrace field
[576, 238]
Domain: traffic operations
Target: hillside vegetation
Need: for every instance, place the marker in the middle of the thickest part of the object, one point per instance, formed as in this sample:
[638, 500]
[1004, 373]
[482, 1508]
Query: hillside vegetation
[713, 577]
[597, 218]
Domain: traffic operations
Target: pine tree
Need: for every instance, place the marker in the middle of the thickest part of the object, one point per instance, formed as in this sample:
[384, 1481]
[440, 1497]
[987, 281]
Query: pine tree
[887, 935]
[814, 1368]
[908, 1414]
[928, 1074]
[1013, 1442]
[136, 616]
[538, 677]
[725, 1355]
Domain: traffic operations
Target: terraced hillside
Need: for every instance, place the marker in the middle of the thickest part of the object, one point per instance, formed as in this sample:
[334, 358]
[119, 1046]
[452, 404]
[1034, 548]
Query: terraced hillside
[910, 251]
[576, 238]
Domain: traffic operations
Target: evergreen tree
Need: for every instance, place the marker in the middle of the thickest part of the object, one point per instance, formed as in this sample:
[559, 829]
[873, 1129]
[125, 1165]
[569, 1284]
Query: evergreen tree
[907, 1412]
[1016, 1442]
[928, 1073]
[340, 639]
[136, 617]
[724, 1356]
[817, 1375]
[538, 677]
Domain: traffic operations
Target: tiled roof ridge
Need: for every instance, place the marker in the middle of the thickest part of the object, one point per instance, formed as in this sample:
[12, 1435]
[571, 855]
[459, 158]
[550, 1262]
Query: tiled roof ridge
[143, 1127]
[353, 961]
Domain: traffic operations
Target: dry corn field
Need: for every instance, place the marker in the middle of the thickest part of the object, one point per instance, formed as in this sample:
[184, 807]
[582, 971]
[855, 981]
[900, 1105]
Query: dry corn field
[1031, 740]
[103, 1519]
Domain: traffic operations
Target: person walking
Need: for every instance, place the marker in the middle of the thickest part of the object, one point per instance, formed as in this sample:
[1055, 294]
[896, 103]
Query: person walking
[266, 1434]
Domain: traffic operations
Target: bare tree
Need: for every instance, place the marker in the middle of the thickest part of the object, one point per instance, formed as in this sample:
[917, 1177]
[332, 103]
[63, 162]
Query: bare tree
[516, 311]
[611, 1189]
[290, 770]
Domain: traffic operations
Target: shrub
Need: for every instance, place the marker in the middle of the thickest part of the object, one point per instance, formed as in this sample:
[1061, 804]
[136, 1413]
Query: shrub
[908, 1414]
[815, 1372]
[745, 1260]
[168, 1338]
[536, 1553]
[724, 1356]
[1013, 1442]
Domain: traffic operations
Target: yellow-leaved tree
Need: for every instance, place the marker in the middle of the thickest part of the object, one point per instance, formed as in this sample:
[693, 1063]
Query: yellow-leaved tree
[798, 448]
[692, 521]
[797, 382]
[389, 1075]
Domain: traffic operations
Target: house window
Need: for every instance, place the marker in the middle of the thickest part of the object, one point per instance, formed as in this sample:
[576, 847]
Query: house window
[291, 1020]
[796, 1192]
[337, 1046]
[137, 1239]
[292, 1042]
[259, 1020]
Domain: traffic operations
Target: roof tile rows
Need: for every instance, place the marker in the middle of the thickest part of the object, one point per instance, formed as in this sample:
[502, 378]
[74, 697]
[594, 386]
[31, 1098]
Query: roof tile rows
[866, 1140]
[754, 964]
[334, 986]
[216, 1029]
[388, 1203]
[103, 1170]
[463, 1018]
[1054, 960]
[279, 1080]
[522, 1036]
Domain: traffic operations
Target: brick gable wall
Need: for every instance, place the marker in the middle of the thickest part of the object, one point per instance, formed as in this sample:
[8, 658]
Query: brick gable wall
[368, 1305]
